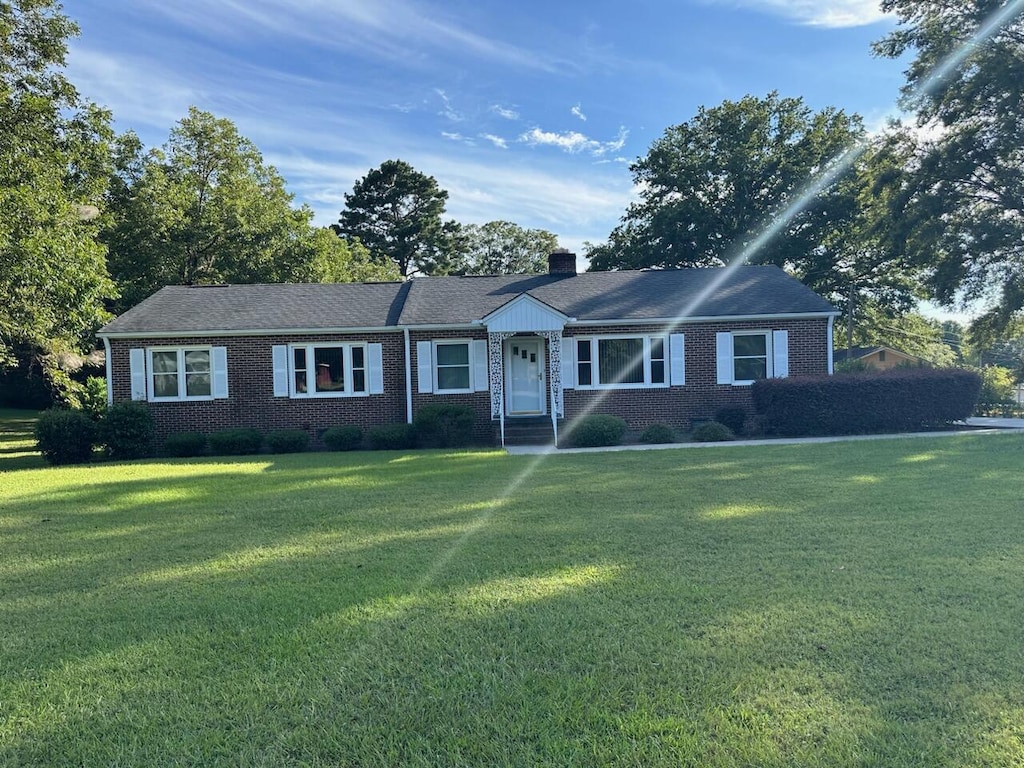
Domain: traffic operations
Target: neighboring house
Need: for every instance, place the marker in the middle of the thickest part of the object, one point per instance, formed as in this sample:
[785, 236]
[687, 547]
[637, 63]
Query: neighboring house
[878, 358]
[668, 346]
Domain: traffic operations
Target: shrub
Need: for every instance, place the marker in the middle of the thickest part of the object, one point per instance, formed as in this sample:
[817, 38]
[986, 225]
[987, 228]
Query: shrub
[888, 401]
[658, 433]
[288, 440]
[444, 426]
[391, 437]
[127, 430]
[997, 385]
[599, 429]
[732, 416]
[185, 444]
[712, 432]
[348, 438]
[239, 441]
[93, 397]
[65, 437]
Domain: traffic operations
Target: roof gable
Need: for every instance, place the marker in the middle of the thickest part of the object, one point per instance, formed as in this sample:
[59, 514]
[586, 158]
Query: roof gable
[525, 313]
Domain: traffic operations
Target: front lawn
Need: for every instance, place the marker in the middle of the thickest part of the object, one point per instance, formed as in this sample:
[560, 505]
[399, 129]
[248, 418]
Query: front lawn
[846, 604]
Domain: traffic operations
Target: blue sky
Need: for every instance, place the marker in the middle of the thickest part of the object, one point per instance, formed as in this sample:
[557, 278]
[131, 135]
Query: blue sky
[527, 111]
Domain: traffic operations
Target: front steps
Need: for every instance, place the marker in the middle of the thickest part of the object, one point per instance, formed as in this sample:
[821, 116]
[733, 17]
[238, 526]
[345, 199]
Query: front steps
[529, 430]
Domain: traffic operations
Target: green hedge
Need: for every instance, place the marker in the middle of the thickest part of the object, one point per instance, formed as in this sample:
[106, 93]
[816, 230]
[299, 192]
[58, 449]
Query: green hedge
[126, 430]
[345, 438]
[391, 437]
[444, 426]
[658, 433]
[65, 436]
[712, 432]
[599, 429]
[185, 444]
[240, 441]
[288, 440]
[889, 401]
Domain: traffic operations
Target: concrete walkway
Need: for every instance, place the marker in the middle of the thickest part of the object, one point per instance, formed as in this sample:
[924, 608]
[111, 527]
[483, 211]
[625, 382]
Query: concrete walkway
[984, 425]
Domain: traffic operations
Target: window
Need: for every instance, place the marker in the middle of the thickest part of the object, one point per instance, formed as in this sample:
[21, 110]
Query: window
[750, 356]
[180, 374]
[328, 370]
[744, 357]
[451, 361]
[620, 361]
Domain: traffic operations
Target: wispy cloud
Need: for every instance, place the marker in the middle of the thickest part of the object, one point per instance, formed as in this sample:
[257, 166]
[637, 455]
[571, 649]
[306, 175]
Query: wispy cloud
[578, 112]
[508, 114]
[819, 13]
[497, 141]
[446, 107]
[574, 142]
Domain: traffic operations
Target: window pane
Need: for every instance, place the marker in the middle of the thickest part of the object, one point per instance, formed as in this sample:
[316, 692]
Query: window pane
[621, 361]
[744, 346]
[583, 351]
[357, 358]
[453, 378]
[165, 362]
[165, 385]
[657, 349]
[583, 375]
[453, 354]
[300, 359]
[657, 371]
[330, 368]
[197, 384]
[748, 369]
[197, 360]
[358, 380]
[300, 381]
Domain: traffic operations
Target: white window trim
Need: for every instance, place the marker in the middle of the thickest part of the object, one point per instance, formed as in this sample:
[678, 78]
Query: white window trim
[595, 364]
[181, 397]
[346, 348]
[769, 356]
[469, 356]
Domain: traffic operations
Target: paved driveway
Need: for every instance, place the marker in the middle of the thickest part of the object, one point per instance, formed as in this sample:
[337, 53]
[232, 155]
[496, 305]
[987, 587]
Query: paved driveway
[995, 422]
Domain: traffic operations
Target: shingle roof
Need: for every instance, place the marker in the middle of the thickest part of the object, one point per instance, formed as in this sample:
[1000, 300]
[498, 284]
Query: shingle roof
[589, 296]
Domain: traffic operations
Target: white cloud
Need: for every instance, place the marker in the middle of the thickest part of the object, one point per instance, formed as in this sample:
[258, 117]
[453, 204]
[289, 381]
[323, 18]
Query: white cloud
[819, 13]
[574, 142]
[497, 141]
[508, 114]
[578, 112]
[446, 107]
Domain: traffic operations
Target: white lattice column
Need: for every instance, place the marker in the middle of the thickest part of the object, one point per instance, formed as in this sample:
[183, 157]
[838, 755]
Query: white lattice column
[496, 371]
[555, 369]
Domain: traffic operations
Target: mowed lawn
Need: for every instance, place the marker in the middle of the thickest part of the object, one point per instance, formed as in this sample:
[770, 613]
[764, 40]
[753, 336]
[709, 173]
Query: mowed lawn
[848, 604]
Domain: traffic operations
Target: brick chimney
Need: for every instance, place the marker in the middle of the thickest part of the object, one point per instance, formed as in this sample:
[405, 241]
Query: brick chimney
[562, 262]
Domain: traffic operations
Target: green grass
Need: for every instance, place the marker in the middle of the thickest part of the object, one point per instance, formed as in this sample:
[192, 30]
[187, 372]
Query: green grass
[847, 604]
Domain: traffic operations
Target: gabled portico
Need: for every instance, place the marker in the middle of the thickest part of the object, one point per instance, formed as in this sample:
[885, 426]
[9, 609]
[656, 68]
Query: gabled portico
[519, 364]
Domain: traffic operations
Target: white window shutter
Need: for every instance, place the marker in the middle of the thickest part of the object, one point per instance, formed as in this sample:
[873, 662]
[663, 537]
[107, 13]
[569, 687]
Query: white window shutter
[677, 355]
[568, 362]
[137, 366]
[424, 366]
[480, 383]
[723, 347]
[780, 354]
[375, 377]
[219, 364]
[280, 352]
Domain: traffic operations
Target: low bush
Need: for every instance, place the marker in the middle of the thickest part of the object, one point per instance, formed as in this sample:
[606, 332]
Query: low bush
[65, 436]
[93, 397]
[444, 426]
[732, 416]
[391, 437]
[889, 401]
[240, 441]
[347, 438]
[658, 433]
[596, 430]
[712, 432]
[185, 444]
[126, 430]
[288, 440]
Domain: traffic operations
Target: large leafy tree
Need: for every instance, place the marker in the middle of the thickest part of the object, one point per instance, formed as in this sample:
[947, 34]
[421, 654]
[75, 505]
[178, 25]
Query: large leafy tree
[206, 208]
[54, 165]
[504, 248]
[958, 209]
[396, 212]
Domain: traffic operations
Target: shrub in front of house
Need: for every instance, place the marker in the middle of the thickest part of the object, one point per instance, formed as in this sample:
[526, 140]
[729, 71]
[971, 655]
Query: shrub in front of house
[346, 438]
[126, 430]
[288, 440]
[65, 437]
[185, 444]
[391, 437]
[887, 401]
[658, 433]
[732, 416]
[93, 397]
[240, 441]
[712, 432]
[444, 426]
[596, 430]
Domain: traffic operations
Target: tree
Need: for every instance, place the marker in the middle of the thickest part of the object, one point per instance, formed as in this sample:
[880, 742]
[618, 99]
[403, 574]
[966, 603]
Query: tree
[207, 209]
[395, 211]
[504, 248]
[958, 208]
[909, 332]
[54, 164]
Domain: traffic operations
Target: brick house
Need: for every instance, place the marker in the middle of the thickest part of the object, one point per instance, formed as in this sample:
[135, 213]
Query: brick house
[668, 346]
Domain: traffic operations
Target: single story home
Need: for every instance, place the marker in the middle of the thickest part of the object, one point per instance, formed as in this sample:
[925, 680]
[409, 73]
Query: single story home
[878, 358]
[652, 346]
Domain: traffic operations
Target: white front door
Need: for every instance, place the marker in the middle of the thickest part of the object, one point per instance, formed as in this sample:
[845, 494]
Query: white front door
[525, 376]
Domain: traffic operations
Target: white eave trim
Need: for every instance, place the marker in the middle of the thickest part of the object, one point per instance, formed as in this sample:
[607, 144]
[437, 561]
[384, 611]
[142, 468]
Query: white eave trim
[253, 332]
[675, 321]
